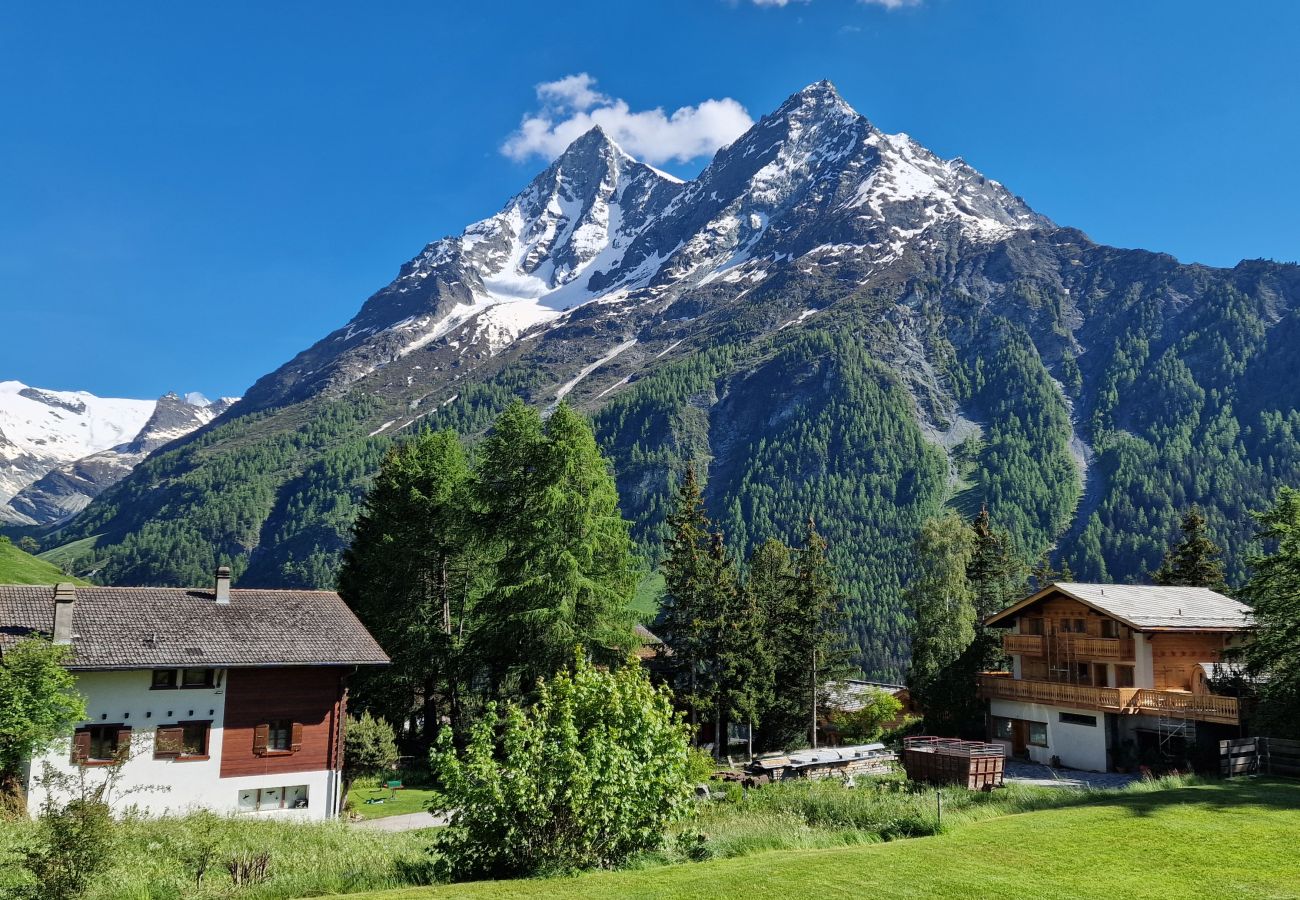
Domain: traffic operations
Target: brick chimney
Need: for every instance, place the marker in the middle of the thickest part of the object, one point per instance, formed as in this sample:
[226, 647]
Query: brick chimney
[223, 585]
[65, 599]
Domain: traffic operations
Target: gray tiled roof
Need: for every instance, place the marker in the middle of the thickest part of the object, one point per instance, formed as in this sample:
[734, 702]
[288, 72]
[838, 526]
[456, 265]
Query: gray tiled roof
[127, 628]
[1154, 607]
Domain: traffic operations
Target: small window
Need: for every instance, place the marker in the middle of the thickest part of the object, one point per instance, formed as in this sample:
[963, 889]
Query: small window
[100, 744]
[1032, 626]
[163, 679]
[188, 740]
[196, 678]
[1109, 628]
[1124, 676]
[1002, 728]
[1038, 734]
[267, 799]
[1082, 672]
[279, 736]
[1076, 719]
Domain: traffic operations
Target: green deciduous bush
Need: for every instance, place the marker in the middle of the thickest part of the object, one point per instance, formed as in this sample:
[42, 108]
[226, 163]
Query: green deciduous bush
[592, 773]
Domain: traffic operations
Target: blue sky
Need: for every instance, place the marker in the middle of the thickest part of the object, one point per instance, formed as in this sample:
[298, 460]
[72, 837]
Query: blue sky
[191, 193]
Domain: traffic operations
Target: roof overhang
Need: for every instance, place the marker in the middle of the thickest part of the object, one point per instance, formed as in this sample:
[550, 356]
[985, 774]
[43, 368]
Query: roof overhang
[1003, 619]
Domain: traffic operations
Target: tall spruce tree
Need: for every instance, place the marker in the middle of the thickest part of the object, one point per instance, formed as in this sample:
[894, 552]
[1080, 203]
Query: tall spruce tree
[997, 576]
[685, 623]
[411, 575]
[1272, 656]
[769, 578]
[811, 649]
[566, 571]
[1195, 561]
[742, 664]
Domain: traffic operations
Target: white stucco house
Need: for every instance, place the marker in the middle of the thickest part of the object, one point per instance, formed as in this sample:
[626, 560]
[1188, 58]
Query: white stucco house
[222, 699]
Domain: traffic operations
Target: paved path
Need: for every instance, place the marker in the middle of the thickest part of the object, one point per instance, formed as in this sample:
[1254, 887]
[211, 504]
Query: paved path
[408, 822]
[1045, 776]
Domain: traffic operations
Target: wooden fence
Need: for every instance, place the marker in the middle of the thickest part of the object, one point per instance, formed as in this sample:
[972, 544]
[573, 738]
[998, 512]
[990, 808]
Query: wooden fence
[1259, 756]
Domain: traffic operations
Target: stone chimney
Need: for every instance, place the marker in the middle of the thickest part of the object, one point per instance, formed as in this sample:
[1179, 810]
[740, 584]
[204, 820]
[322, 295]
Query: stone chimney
[223, 585]
[65, 599]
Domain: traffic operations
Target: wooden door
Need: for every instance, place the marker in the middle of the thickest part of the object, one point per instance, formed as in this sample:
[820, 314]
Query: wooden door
[1100, 676]
[1019, 737]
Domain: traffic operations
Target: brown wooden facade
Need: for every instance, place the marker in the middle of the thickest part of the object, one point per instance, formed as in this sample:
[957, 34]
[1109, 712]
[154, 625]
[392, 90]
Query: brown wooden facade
[311, 699]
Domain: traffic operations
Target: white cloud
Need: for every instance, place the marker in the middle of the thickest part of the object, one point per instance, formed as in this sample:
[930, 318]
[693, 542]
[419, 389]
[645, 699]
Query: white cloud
[571, 106]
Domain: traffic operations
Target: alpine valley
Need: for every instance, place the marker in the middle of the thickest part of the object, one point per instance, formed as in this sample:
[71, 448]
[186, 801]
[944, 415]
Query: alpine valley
[828, 321]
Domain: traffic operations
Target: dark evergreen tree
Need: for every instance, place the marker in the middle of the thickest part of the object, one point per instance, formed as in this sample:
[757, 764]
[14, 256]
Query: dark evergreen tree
[809, 651]
[742, 664]
[997, 575]
[1272, 656]
[1195, 561]
[684, 623]
[411, 575]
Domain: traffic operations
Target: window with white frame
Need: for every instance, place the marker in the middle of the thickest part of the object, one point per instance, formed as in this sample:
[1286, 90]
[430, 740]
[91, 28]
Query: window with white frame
[272, 798]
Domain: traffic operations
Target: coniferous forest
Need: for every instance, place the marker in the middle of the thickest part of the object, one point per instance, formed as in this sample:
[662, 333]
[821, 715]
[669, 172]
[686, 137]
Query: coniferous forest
[1087, 406]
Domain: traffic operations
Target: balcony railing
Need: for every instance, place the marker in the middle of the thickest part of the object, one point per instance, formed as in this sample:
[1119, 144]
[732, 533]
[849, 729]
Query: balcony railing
[1083, 647]
[1204, 707]
[1028, 644]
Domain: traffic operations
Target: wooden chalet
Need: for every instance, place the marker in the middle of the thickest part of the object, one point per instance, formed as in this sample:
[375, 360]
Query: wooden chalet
[1102, 673]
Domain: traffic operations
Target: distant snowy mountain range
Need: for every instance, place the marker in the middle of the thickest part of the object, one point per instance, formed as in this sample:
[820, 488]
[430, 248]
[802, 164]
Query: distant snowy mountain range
[61, 449]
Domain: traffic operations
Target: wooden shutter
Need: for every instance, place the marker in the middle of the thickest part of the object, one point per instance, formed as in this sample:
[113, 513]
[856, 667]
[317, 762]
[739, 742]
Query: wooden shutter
[295, 742]
[260, 735]
[123, 750]
[80, 746]
[167, 742]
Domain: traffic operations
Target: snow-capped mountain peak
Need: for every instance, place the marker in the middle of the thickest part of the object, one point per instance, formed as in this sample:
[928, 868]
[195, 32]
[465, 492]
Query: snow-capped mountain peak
[599, 227]
[59, 449]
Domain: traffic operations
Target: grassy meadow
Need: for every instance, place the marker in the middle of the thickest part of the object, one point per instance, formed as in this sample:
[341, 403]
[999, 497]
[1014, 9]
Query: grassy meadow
[19, 567]
[1168, 838]
[1165, 840]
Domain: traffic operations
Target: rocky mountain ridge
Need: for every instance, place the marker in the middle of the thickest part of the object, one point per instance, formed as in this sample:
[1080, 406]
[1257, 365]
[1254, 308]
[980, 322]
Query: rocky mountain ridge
[61, 449]
[828, 320]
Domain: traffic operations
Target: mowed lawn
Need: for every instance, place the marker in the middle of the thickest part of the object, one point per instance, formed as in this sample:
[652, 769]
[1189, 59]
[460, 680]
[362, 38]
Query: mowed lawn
[1227, 839]
[391, 803]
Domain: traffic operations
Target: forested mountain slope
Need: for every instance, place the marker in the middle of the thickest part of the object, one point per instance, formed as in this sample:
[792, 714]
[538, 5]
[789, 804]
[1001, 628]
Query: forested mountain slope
[828, 321]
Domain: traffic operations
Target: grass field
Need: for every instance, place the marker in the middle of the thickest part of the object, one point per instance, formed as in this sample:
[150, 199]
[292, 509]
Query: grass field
[153, 860]
[17, 567]
[1222, 839]
[396, 803]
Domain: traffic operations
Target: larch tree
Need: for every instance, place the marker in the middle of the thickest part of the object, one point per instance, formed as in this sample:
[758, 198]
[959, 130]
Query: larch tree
[1195, 561]
[566, 570]
[943, 620]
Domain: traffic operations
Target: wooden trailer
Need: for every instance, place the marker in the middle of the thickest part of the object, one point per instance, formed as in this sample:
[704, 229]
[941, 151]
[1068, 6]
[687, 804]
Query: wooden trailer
[936, 760]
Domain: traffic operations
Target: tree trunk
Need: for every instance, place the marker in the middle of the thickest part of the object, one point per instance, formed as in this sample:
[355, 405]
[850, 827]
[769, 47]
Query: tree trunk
[13, 799]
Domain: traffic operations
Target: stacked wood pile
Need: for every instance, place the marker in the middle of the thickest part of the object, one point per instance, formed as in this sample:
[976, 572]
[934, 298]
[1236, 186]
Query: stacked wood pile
[936, 760]
[1259, 756]
[825, 762]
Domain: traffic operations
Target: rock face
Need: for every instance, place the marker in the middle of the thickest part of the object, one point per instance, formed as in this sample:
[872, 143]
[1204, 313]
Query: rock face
[61, 449]
[829, 320]
[812, 179]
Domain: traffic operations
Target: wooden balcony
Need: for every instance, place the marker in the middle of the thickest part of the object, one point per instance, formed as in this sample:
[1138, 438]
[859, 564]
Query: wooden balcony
[1027, 644]
[1128, 701]
[1203, 707]
[1083, 647]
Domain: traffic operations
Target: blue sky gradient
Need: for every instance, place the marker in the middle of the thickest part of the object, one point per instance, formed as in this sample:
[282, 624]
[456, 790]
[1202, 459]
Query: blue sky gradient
[190, 194]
